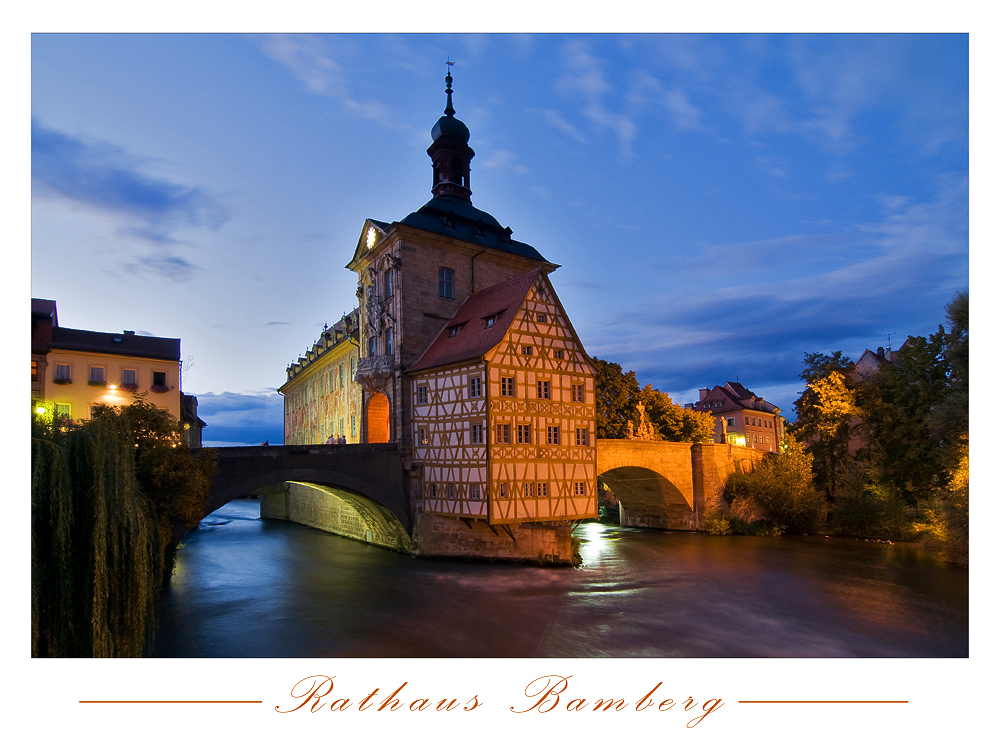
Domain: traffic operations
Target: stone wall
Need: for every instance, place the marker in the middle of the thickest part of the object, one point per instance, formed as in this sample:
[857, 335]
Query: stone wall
[711, 464]
[442, 536]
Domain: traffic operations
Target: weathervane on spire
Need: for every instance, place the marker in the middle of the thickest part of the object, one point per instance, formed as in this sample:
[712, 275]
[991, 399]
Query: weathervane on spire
[449, 110]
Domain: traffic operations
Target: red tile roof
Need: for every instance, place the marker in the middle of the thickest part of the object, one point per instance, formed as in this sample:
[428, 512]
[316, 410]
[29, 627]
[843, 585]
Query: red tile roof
[473, 339]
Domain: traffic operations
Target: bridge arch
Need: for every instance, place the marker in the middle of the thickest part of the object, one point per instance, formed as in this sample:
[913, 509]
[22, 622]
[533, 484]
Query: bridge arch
[337, 510]
[653, 481]
[648, 498]
[358, 491]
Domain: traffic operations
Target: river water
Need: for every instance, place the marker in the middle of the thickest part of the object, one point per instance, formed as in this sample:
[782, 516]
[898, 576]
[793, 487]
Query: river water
[251, 588]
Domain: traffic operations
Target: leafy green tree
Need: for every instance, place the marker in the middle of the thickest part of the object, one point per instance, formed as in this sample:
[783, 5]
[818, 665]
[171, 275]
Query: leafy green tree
[780, 487]
[106, 496]
[825, 415]
[95, 552]
[617, 394]
[672, 421]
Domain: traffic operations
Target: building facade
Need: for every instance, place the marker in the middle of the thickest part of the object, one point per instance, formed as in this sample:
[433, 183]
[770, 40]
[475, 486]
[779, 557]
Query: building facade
[741, 417]
[73, 370]
[322, 397]
[503, 413]
[469, 362]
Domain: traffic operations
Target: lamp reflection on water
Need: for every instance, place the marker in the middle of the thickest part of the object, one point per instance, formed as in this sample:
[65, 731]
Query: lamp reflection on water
[595, 542]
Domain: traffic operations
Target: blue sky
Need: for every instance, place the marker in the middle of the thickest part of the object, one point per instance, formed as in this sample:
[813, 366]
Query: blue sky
[720, 204]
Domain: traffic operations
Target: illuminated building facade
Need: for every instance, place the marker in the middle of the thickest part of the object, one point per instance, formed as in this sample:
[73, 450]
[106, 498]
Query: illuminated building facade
[459, 387]
[503, 410]
[742, 417]
[322, 397]
[75, 370]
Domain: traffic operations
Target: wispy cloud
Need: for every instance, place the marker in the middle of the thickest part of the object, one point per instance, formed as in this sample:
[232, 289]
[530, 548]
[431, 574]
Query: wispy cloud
[107, 178]
[851, 289]
[312, 61]
[244, 419]
[583, 79]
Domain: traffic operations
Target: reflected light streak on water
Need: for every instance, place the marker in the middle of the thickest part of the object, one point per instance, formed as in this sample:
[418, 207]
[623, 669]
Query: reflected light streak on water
[246, 587]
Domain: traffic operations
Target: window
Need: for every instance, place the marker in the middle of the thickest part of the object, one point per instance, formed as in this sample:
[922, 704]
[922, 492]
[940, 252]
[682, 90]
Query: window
[507, 386]
[543, 390]
[490, 321]
[553, 436]
[730, 422]
[451, 490]
[503, 434]
[540, 317]
[529, 490]
[340, 375]
[582, 436]
[387, 289]
[354, 425]
[34, 370]
[476, 433]
[96, 374]
[63, 373]
[475, 387]
[62, 409]
[526, 350]
[421, 395]
[159, 378]
[579, 489]
[474, 491]
[354, 369]
[577, 393]
[558, 353]
[434, 490]
[524, 434]
[94, 409]
[503, 490]
[446, 283]
[388, 341]
[129, 377]
[746, 420]
[543, 490]
[371, 347]
[342, 432]
[453, 331]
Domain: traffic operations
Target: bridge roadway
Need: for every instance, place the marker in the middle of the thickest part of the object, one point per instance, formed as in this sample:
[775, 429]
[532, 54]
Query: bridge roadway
[364, 490]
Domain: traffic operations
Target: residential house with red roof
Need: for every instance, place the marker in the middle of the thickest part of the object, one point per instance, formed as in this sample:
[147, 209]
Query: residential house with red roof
[742, 417]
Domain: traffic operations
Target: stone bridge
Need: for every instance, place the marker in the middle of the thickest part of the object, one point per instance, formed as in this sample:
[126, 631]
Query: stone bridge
[667, 485]
[362, 491]
[358, 491]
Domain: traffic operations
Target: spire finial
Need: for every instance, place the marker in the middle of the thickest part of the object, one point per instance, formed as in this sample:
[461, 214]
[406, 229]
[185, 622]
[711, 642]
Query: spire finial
[449, 110]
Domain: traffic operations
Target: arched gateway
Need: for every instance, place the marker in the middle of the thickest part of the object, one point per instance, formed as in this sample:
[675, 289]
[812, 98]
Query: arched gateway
[378, 418]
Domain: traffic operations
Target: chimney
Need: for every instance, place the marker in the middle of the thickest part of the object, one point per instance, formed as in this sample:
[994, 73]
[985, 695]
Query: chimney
[702, 394]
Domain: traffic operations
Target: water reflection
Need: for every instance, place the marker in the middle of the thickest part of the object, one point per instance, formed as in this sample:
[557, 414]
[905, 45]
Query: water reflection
[246, 587]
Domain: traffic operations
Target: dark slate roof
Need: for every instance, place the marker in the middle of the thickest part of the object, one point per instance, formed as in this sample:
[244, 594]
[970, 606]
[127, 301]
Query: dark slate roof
[457, 218]
[126, 343]
[44, 309]
[474, 339]
[746, 398]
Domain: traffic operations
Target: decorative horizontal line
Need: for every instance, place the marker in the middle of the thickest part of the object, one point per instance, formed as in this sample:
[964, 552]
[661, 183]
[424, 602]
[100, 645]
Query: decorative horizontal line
[829, 701]
[168, 701]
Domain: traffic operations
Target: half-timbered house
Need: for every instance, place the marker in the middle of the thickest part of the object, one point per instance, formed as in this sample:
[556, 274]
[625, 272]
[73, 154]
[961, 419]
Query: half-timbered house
[503, 410]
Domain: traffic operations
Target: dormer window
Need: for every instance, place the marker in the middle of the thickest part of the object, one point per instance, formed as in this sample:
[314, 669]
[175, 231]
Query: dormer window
[490, 321]
[453, 331]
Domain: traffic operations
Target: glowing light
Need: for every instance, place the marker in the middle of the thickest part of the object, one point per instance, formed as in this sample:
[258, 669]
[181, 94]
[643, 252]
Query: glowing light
[371, 238]
[112, 387]
[40, 410]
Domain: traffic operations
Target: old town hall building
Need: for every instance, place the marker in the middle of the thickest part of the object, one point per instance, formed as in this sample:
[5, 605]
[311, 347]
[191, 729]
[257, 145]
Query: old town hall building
[470, 363]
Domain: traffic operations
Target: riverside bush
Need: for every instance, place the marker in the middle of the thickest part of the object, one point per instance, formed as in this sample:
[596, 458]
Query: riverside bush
[780, 486]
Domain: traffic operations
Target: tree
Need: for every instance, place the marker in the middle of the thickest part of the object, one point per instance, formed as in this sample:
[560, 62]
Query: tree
[780, 488]
[672, 421]
[616, 397]
[106, 495]
[825, 413]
